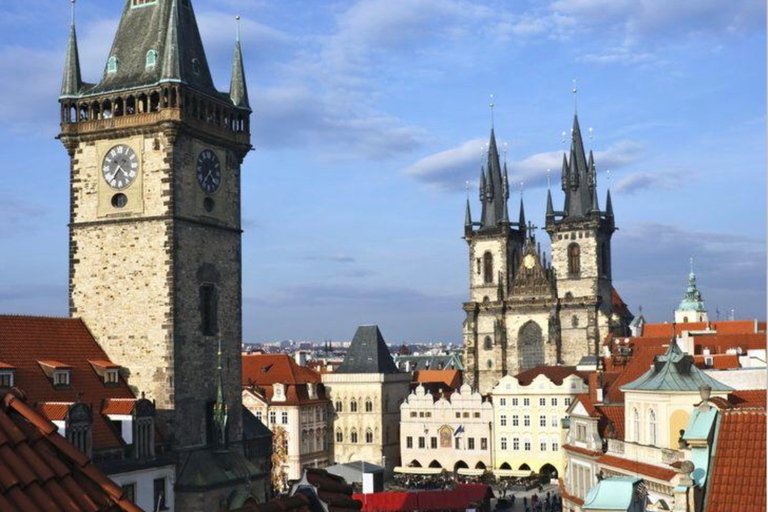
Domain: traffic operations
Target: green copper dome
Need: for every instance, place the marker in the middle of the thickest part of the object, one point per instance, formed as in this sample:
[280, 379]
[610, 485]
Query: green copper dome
[692, 300]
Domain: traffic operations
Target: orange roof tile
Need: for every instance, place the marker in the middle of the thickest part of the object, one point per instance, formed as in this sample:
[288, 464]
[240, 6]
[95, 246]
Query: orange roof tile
[588, 405]
[641, 361]
[450, 378]
[118, 406]
[27, 340]
[649, 470]
[612, 415]
[54, 411]
[41, 471]
[738, 475]
[582, 451]
[719, 361]
[268, 369]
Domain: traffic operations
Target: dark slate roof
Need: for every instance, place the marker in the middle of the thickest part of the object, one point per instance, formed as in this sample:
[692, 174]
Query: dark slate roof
[368, 353]
[205, 468]
[238, 90]
[252, 427]
[494, 189]
[71, 82]
[147, 28]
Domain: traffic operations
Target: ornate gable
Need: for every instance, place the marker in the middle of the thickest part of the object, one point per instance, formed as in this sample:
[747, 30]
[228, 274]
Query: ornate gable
[534, 278]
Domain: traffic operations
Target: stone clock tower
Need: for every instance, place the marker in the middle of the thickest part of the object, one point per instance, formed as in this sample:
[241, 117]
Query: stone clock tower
[155, 227]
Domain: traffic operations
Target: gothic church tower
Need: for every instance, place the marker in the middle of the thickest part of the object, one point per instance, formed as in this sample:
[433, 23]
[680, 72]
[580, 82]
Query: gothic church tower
[155, 223]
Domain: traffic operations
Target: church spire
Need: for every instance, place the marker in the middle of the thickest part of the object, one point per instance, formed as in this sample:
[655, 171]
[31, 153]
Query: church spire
[467, 216]
[609, 205]
[238, 90]
[72, 80]
[171, 60]
[579, 182]
[521, 218]
[220, 410]
[494, 198]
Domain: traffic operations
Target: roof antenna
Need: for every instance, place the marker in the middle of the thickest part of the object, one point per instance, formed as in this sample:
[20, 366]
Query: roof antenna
[590, 138]
[521, 190]
[575, 96]
[691, 264]
[491, 105]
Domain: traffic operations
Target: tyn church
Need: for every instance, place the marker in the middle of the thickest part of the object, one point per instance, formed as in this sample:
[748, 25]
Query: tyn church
[523, 310]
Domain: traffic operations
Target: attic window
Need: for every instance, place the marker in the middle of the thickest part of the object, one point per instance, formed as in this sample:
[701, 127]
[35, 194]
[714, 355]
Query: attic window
[6, 378]
[110, 377]
[151, 59]
[142, 3]
[196, 66]
[112, 65]
[61, 378]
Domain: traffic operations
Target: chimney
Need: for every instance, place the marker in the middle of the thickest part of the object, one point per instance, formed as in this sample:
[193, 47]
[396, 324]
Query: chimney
[596, 387]
[300, 357]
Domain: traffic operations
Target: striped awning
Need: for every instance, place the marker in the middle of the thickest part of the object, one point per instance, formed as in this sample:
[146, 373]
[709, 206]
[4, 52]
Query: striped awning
[516, 473]
[418, 471]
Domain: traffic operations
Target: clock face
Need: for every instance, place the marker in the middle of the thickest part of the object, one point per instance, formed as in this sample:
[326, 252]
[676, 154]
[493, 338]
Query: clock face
[120, 167]
[208, 171]
[529, 261]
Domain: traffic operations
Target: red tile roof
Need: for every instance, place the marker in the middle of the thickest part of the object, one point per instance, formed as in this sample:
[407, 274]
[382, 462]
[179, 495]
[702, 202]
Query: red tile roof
[40, 471]
[649, 470]
[611, 415]
[641, 362]
[554, 373]
[719, 343]
[54, 411]
[750, 399]
[27, 340]
[618, 305]
[268, 369]
[724, 327]
[719, 361]
[583, 451]
[450, 378]
[118, 406]
[588, 405]
[738, 475]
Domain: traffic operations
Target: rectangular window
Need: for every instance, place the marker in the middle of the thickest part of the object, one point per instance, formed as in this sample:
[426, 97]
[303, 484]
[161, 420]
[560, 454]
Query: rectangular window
[543, 446]
[554, 421]
[542, 421]
[61, 378]
[554, 445]
[466, 414]
[526, 421]
[428, 414]
[421, 414]
[129, 491]
[526, 402]
[433, 443]
[542, 402]
[284, 417]
[422, 442]
[483, 443]
[456, 443]
[527, 445]
[515, 402]
[567, 402]
[208, 322]
[413, 414]
[502, 402]
[258, 415]
[159, 495]
[409, 442]
[6, 380]
[471, 443]
[110, 377]
[503, 443]
[515, 420]
[515, 443]
[554, 402]
[476, 415]
[458, 415]
[272, 417]
[503, 420]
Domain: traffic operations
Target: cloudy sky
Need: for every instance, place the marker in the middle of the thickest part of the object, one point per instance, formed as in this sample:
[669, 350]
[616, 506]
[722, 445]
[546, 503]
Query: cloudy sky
[370, 116]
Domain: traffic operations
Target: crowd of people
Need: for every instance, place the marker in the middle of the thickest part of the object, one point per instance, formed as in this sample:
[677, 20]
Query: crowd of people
[550, 503]
[424, 482]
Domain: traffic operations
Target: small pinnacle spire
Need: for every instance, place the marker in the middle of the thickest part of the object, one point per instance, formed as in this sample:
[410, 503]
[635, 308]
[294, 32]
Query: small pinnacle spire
[550, 207]
[171, 60]
[238, 90]
[491, 104]
[521, 220]
[608, 201]
[72, 79]
[482, 184]
[575, 98]
[467, 216]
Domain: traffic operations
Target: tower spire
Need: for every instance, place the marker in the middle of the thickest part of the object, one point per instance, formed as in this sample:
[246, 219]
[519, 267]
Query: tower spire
[171, 61]
[238, 90]
[220, 412]
[467, 212]
[493, 183]
[521, 219]
[550, 207]
[72, 79]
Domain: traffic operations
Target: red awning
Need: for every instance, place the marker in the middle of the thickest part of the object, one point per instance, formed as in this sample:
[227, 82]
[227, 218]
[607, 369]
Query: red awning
[460, 498]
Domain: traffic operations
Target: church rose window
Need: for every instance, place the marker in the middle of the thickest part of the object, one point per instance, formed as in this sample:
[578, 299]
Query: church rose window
[574, 259]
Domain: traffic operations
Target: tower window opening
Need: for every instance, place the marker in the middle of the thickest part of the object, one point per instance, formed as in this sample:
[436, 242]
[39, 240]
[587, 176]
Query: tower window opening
[604, 266]
[208, 309]
[142, 3]
[488, 343]
[196, 66]
[488, 268]
[112, 65]
[574, 259]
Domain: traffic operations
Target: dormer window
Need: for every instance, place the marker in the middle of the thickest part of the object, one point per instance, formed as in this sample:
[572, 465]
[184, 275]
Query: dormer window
[61, 378]
[142, 3]
[110, 377]
[57, 372]
[7, 374]
[312, 390]
[196, 66]
[112, 65]
[107, 370]
[278, 392]
[151, 61]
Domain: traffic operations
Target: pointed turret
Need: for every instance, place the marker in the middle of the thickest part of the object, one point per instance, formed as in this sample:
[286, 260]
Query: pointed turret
[494, 198]
[467, 216]
[72, 80]
[579, 180]
[521, 218]
[238, 89]
[609, 205]
[550, 206]
[171, 60]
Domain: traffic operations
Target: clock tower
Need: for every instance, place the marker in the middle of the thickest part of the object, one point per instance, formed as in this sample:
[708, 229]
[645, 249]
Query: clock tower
[155, 222]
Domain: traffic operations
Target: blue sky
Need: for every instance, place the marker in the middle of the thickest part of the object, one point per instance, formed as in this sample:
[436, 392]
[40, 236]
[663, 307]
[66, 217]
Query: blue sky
[370, 115]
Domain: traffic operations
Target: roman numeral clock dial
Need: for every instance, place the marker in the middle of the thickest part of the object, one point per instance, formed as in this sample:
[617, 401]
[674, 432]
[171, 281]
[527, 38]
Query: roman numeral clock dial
[208, 171]
[120, 167]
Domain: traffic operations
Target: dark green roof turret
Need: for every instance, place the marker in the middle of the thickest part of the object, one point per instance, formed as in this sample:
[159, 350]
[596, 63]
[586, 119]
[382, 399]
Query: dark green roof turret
[171, 59]
[238, 89]
[72, 81]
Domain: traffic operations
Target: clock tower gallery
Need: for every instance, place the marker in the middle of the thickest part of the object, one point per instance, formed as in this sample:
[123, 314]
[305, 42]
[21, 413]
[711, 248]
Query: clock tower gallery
[155, 229]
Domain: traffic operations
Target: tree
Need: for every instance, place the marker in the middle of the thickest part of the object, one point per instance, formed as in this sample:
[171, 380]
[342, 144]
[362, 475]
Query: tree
[279, 457]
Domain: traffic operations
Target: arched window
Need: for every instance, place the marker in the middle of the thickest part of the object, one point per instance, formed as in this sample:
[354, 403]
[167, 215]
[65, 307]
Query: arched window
[112, 65]
[151, 60]
[488, 267]
[338, 406]
[636, 424]
[339, 436]
[196, 66]
[652, 427]
[604, 264]
[574, 259]
[368, 405]
[368, 436]
[488, 343]
[353, 436]
[353, 406]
